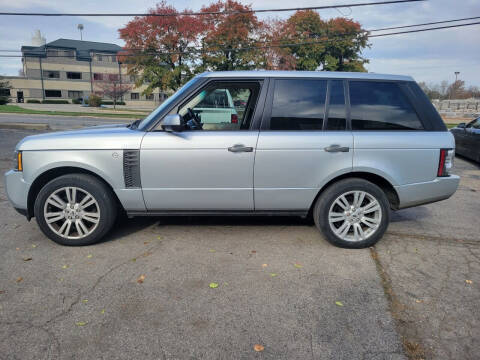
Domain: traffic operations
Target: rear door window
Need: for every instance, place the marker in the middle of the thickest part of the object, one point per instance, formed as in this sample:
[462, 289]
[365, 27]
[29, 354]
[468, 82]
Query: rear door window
[377, 105]
[298, 104]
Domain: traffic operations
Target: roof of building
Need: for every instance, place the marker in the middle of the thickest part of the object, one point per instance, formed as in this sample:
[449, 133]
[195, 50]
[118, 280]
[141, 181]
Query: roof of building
[306, 74]
[82, 48]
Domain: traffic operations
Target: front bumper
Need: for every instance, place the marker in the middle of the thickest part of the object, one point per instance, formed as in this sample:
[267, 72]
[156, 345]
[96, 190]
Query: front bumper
[17, 190]
[427, 192]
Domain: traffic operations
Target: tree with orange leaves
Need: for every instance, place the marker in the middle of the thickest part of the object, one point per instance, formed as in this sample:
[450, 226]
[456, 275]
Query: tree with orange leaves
[158, 48]
[230, 40]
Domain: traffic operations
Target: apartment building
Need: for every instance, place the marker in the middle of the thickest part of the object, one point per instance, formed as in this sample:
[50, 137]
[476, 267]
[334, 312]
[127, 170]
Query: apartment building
[67, 69]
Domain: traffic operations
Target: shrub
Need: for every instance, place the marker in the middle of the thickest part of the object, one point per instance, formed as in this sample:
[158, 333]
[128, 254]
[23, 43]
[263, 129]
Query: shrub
[33, 101]
[55, 102]
[94, 100]
[110, 102]
[77, 101]
[4, 100]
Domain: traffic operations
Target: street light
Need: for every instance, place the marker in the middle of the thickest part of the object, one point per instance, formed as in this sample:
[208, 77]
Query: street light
[456, 75]
[80, 27]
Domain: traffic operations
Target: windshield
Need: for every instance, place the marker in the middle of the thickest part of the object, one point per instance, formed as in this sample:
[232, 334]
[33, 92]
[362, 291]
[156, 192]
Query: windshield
[153, 115]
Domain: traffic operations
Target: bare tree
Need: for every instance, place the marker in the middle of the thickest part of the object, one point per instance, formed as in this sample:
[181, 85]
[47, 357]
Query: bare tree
[109, 85]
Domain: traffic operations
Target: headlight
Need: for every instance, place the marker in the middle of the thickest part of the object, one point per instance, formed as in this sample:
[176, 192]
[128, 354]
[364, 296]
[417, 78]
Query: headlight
[18, 161]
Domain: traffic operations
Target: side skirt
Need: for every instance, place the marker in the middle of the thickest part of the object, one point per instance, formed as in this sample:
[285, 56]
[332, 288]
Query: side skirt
[301, 213]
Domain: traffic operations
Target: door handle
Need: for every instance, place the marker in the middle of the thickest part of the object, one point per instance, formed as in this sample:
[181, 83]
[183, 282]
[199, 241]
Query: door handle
[337, 148]
[240, 148]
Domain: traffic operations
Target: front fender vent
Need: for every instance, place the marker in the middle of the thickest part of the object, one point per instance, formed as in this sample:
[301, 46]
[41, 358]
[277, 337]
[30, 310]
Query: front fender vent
[131, 168]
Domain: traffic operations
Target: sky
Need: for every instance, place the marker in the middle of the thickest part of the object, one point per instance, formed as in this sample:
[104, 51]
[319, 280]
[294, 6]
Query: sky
[430, 56]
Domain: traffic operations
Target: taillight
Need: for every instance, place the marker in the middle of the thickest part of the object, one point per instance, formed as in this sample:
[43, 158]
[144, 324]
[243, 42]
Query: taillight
[234, 119]
[445, 163]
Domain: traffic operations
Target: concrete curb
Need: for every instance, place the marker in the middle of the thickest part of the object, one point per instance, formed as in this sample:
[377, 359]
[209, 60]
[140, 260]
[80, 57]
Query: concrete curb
[25, 126]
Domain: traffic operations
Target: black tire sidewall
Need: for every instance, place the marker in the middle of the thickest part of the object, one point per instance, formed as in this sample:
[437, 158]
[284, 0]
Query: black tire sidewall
[99, 190]
[322, 207]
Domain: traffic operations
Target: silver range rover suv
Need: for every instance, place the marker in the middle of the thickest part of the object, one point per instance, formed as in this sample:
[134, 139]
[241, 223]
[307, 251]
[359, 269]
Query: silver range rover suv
[344, 148]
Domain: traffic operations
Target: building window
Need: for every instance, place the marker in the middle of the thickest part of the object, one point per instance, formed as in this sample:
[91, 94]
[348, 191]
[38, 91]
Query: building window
[99, 58]
[97, 76]
[53, 93]
[114, 58]
[52, 53]
[74, 75]
[4, 92]
[133, 78]
[134, 96]
[149, 97]
[51, 74]
[73, 94]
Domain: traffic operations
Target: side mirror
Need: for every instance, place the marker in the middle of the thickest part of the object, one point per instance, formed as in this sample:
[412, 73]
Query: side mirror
[172, 122]
[461, 126]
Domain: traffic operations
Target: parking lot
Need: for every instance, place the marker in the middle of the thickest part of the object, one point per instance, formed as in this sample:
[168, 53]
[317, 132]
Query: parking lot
[148, 291]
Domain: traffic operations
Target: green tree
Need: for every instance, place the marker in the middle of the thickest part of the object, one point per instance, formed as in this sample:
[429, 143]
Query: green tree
[333, 45]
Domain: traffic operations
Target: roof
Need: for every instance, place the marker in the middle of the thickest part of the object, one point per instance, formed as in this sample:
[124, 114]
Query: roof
[306, 74]
[82, 48]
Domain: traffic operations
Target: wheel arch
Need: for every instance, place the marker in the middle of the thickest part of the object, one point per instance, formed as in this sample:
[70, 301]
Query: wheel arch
[50, 174]
[376, 179]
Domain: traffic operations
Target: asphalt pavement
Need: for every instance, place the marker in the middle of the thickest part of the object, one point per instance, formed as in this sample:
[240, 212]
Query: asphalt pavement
[145, 291]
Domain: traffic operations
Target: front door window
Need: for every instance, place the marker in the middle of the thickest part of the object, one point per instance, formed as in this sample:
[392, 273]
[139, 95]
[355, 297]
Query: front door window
[221, 106]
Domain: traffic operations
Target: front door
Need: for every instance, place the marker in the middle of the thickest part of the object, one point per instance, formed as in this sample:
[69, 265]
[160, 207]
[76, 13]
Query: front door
[298, 150]
[20, 97]
[209, 165]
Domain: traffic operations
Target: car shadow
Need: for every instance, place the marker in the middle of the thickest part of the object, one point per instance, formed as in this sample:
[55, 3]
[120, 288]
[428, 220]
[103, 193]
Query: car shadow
[468, 160]
[410, 214]
[125, 226]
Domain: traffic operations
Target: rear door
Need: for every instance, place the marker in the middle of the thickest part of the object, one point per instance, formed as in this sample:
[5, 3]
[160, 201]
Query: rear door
[298, 150]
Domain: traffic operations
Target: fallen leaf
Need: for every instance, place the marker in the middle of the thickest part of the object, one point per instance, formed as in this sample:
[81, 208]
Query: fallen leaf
[80, 323]
[61, 279]
[17, 249]
[134, 259]
[85, 301]
[258, 347]
[468, 281]
[146, 242]
[213, 285]
[159, 238]
[226, 284]
[141, 279]
[418, 301]
[65, 267]
[89, 256]
[19, 279]
[34, 246]
[338, 303]
[254, 251]
[264, 265]
[298, 266]
[212, 250]
[102, 312]
[27, 258]
[273, 274]
[2, 292]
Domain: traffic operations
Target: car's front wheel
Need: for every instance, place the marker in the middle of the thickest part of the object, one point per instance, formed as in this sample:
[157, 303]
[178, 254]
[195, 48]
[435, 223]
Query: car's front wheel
[75, 209]
[352, 213]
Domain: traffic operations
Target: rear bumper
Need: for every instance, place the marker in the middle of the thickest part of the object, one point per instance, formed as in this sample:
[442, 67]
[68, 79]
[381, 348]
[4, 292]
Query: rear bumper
[16, 189]
[427, 192]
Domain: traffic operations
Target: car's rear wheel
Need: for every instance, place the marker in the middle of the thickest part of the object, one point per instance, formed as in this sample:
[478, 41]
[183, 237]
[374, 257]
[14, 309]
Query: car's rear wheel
[352, 213]
[75, 209]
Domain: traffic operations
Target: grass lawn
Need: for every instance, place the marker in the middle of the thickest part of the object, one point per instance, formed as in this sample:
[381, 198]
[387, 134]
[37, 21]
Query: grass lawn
[14, 109]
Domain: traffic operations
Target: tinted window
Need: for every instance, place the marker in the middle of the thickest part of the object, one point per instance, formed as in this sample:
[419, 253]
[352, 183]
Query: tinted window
[298, 104]
[337, 113]
[381, 106]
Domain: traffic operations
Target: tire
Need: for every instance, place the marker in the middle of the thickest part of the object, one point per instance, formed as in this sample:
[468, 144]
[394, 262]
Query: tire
[94, 219]
[331, 206]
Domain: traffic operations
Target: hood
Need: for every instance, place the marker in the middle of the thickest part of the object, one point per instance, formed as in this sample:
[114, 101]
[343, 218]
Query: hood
[104, 137]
